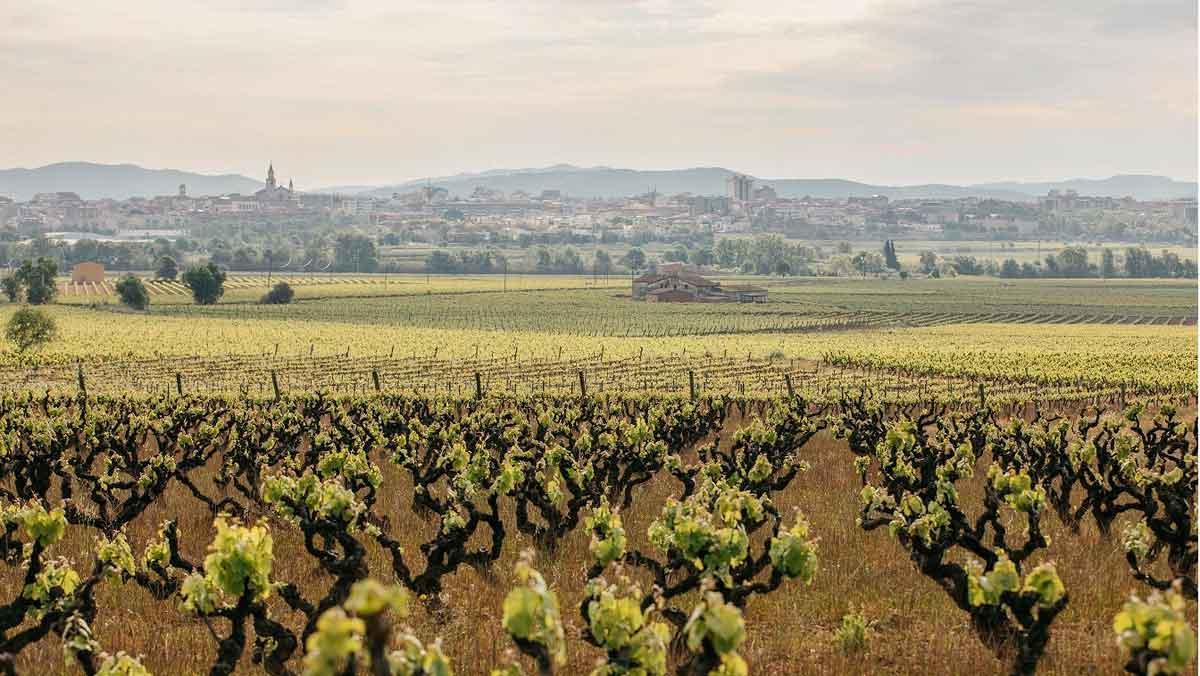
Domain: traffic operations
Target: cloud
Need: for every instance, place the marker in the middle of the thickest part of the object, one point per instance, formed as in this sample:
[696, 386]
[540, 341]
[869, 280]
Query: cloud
[359, 90]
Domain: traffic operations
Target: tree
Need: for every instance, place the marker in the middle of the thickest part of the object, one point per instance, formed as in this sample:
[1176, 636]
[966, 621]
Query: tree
[207, 283]
[545, 260]
[679, 254]
[11, 287]
[1108, 264]
[29, 328]
[167, 268]
[603, 262]
[703, 256]
[569, 261]
[727, 253]
[38, 280]
[966, 265]
[244, 259]
[929, 262]
[133, 292]
[783, 269]
[1073, 262]
[439, 262]
[867, 261]
[355, 253]
[1010, 268]
[280, 294]
[634, 259]
[889, 255]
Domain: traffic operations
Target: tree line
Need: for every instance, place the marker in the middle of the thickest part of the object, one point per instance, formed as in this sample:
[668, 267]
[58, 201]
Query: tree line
[1071, 262]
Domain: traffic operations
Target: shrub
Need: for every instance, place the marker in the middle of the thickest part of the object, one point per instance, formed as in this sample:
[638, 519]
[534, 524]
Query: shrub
[133, 292]
[207, 283]
[280, 294]
[29, 328]
[167, 269]
[11, 286]
[38, 280]
[851, 637]
[1155, 634]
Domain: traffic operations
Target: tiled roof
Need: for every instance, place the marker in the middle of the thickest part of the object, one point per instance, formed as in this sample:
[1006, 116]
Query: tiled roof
[689, 277]
[695, 280]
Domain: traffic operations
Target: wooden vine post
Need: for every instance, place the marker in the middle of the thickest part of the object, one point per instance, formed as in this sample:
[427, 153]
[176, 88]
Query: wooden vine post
[82, 395]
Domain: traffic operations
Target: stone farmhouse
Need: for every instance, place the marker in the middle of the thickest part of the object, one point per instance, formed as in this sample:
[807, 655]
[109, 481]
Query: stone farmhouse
[673, 283]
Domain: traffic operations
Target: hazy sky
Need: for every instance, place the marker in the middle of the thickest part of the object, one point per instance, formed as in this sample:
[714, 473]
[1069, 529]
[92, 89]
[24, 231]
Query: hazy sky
[371, 91]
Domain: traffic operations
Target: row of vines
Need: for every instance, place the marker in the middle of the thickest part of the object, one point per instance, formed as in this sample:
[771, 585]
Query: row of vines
[515, 375]
[488, 471]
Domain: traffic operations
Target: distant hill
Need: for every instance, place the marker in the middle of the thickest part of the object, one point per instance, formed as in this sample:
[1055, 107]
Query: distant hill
[610, 182]
[118, 181]
[1138, 186]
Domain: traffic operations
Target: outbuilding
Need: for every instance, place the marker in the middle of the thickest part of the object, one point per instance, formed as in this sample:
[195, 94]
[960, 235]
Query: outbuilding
[88, 271]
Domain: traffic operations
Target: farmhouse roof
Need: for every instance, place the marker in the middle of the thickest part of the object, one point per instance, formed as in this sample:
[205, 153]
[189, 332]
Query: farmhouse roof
[695, 280]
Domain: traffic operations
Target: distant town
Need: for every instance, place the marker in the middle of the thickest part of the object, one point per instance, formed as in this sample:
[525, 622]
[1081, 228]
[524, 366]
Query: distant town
[432, 229]
[488, 215]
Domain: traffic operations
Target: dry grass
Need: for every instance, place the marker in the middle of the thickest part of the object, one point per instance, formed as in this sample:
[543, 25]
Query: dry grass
[916, 629]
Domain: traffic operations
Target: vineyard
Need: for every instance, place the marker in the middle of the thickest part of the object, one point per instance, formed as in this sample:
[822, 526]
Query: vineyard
[248, 287]
[600, 313]
[144, 352]
[743, 376]
[480, 475]
[610, 534]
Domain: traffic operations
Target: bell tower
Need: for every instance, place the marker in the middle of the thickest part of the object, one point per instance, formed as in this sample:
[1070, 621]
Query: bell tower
[271, 176]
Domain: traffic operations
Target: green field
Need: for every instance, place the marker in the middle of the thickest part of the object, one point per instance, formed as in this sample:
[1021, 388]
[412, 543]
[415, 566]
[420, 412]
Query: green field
[533, 332]
[796, 305]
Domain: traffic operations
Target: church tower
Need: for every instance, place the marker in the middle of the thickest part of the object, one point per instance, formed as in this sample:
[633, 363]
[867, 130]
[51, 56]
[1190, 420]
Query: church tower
[271, 176]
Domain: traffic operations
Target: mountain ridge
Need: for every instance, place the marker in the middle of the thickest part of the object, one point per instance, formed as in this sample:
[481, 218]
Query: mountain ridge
[93, 180]
[600, 182]
[120, 181]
